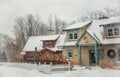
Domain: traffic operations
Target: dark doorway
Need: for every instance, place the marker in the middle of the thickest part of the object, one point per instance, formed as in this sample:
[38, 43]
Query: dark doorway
[92, 57]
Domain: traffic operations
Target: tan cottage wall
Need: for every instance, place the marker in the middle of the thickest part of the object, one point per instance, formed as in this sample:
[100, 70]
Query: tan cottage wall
[87, 39]
[85, 56]
[85, 50]
[105, 33]
[106, 62]
[75, 60]
[110, 62]
[81, 31]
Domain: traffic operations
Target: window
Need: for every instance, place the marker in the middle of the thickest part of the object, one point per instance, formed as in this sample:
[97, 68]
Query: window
[73, 35]
[119, 55]
[116, 30]
[46, 44]
[70, 36]
[113, 31]
[110, 32]
[70, 54]
[50, 43]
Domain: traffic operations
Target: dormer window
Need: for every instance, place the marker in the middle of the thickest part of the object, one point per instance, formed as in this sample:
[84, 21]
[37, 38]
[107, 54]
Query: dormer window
[48, 44]
[73, 35]
[110, 31]
[113, 31]
[116, 31]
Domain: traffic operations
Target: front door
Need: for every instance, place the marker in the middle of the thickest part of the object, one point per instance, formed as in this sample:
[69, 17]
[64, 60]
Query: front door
[92, 57]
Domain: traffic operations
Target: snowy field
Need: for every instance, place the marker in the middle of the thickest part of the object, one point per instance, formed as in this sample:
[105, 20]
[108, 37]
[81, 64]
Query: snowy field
[6, 71]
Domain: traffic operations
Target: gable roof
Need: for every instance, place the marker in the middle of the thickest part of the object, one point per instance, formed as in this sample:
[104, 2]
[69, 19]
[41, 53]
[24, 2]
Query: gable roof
[78, 25]
[49, 49]
[37, 41]
[86, 32]
[60, 42]
[96, 30]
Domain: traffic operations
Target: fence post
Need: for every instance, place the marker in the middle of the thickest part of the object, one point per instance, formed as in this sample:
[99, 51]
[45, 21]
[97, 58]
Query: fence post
[44, 63]
[50, 67]
[69, 65]
[39, 63]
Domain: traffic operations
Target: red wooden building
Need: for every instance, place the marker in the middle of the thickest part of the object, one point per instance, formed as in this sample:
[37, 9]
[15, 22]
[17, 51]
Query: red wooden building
[48, 46]
[50, 55]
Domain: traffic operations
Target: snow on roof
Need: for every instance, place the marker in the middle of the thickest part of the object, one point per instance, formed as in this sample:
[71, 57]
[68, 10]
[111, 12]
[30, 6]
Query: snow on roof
[36, 41]
[70, 43]
[60, 42]
[77, 25]
[112, 41]
[111, 20]
[97, 31]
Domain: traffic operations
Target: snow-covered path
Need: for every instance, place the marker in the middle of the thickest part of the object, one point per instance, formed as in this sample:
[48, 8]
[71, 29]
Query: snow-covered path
[6, 71]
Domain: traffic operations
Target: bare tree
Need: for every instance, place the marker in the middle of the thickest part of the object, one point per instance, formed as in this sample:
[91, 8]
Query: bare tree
[96, 14]
[24, 28]
[28, 26]
[55, 23]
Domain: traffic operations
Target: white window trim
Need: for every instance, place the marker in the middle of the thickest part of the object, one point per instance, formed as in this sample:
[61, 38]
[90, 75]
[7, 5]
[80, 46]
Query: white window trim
[73, 32]
[69, 58]
[113, 31]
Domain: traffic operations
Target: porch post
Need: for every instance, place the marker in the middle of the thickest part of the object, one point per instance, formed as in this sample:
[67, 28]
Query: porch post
[79, 54]
[96, 57]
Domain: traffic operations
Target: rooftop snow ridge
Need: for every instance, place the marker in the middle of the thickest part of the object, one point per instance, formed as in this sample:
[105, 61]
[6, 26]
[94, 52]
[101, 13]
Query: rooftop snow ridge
[78, 25]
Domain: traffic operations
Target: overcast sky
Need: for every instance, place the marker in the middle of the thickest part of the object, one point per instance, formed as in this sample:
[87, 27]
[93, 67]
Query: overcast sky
[65, 9]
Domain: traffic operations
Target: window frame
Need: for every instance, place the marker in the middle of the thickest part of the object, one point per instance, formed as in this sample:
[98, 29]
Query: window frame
[73, 35]
[117, 31]
[108, 31]
[113, 31]
[69, 51]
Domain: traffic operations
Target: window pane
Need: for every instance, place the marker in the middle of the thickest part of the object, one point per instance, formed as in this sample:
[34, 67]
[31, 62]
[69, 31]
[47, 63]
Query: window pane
[116, 31]
[50, 42]
[46, 44]
[110, 32]
[70, 54]
[75, 36]
[70, 36]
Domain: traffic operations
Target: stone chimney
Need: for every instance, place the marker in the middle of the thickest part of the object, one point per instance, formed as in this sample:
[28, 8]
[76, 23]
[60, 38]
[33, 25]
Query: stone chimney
[51, 32]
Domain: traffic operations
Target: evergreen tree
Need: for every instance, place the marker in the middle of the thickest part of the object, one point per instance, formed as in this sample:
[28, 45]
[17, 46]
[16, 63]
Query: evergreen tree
[36, 56]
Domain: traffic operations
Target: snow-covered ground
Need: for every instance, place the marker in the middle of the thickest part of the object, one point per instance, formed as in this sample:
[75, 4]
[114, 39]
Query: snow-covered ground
[7, 71]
